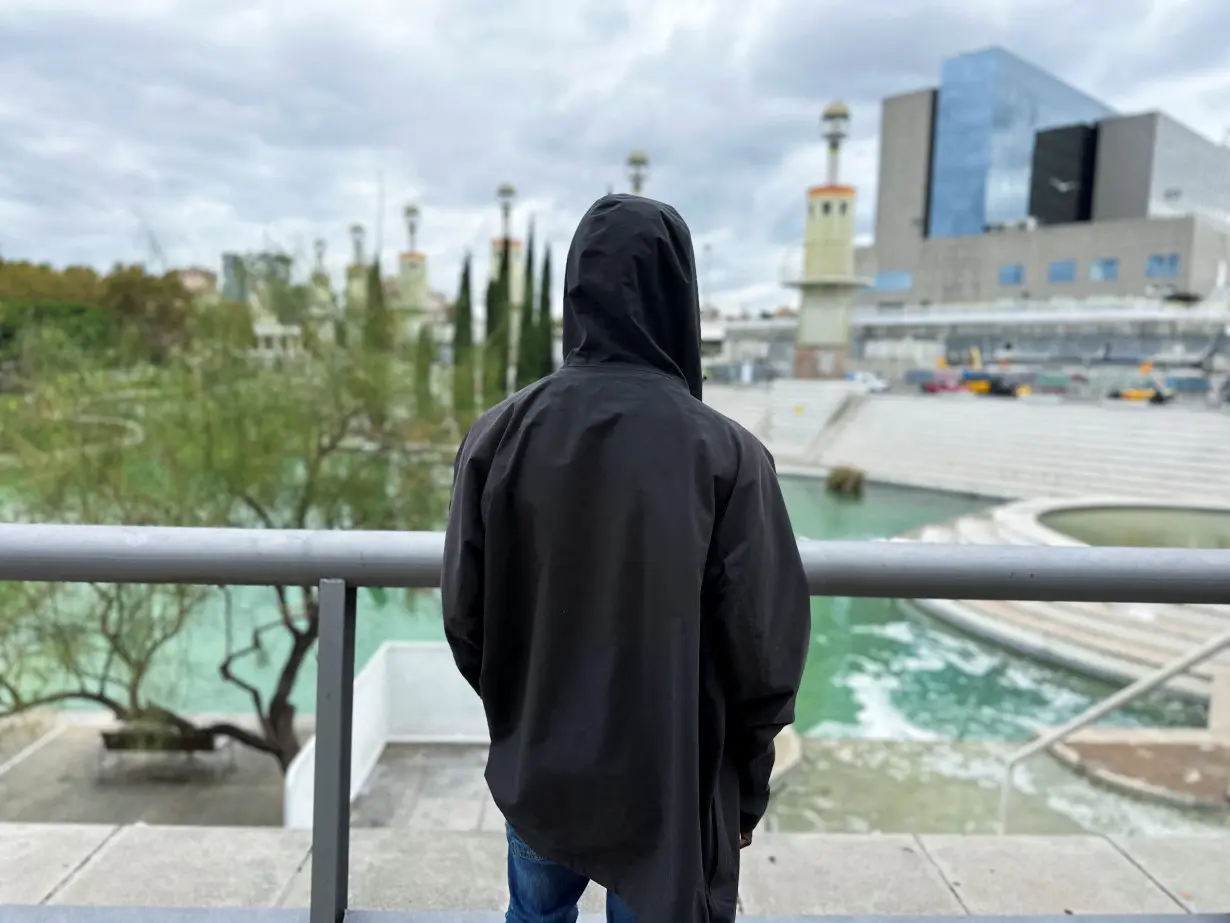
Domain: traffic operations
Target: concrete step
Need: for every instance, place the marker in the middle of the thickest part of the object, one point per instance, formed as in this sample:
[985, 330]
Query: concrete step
[1144, 656]
[1026, 636]
[1166, 644]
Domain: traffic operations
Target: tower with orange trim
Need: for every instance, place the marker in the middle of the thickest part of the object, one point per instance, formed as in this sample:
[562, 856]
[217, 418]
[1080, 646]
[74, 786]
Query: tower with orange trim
[827, 282]
[412, 287]
[357, 271]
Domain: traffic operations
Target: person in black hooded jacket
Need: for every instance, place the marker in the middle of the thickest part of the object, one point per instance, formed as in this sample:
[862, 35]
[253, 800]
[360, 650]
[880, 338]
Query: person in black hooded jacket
[623, 590]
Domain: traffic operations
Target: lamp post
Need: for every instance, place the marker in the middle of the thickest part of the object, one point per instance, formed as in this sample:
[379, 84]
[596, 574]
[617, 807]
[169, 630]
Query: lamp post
[506, 194]
[638, 167]
[836, 124]
[411, 214]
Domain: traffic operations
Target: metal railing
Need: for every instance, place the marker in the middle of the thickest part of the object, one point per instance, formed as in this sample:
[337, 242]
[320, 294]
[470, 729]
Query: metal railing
[1124, 696]
[341, 562]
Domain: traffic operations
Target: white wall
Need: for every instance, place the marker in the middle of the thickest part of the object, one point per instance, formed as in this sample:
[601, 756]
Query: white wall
[428, 700]
[409, 692]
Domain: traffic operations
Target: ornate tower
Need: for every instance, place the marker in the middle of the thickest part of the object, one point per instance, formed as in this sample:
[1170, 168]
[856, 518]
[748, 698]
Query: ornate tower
[356, 272]
[638, 167]
[323, 307]
[412, 266]
[827, 282]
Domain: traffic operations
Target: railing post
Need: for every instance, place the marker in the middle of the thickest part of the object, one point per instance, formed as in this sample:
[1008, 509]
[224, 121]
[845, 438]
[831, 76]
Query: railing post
[1124, 696]
[334, 723]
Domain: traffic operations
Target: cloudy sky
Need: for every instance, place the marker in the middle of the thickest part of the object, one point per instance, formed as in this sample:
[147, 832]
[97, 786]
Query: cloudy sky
[211, 125]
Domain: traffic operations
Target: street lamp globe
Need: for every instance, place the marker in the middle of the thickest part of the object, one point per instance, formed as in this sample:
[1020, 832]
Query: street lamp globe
[411, 215]
[638, 168]
[835, 122]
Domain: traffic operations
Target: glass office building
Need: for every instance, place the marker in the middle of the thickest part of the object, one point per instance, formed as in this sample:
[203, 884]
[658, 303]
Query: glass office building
[990, 106]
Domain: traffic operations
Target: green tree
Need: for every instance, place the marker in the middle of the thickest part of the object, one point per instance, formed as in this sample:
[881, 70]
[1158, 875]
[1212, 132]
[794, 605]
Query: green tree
[377, 319]
[491, 338]
[223, 442]
[92, 329]
[528, 363]
[496, 343]
[129, 314]
[224, 325]
[30, 282]
[289, 302]
[424, 363]
[463, 350]
[154, 307]
[543, 328]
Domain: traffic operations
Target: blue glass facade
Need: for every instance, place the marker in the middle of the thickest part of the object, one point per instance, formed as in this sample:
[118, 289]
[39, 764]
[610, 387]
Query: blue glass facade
[990, 105]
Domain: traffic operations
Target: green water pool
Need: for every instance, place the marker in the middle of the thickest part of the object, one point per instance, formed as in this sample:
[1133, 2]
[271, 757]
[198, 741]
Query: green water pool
[875, 670]
[1143, 526]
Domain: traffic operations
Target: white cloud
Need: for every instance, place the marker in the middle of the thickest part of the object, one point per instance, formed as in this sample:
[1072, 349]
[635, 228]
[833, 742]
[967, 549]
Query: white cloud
[227, 124]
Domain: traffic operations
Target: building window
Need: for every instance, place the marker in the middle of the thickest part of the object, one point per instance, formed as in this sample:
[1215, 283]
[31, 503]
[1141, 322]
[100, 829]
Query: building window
[1104, 270]
[1012, 274]
[843, 208]
[898, 281]
[828, 207]
[1061, 271]
[1162, 266]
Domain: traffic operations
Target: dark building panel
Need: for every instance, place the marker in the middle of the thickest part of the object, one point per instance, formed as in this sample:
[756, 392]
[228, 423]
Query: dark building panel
[1061, 174]
[925, 218]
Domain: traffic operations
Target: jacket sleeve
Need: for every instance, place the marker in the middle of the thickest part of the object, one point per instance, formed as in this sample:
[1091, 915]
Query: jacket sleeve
[461, 577]
[761, 611]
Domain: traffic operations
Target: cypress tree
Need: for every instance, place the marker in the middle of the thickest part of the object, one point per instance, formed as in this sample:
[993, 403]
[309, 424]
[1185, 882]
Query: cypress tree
[377, 321]
[528, 364]
[463, 350]
[504, 291]
[489, 376]
[496, 346]
[424, 362]
[545, 352]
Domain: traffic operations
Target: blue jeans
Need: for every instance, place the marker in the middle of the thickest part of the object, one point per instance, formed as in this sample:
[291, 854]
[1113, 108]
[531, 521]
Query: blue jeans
[539, 891]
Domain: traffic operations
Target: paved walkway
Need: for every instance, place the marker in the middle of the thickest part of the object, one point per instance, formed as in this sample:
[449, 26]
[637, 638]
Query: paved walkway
[782, 874]
[18, 732]
[61, 782]
[841, 786]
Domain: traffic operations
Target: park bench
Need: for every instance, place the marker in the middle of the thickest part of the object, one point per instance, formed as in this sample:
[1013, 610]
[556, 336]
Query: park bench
[164, 746]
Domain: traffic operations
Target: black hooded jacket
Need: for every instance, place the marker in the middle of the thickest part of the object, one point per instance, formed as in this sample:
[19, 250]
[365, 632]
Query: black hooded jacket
[622, 588]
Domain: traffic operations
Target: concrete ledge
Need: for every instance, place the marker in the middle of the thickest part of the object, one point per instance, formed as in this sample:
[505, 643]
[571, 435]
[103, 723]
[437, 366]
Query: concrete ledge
[787, 754]
[172, 915]
[253, 875]
[1045, 874]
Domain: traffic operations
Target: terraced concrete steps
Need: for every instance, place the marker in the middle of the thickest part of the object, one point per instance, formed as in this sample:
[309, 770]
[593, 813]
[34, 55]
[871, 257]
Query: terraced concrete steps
[1116, 641]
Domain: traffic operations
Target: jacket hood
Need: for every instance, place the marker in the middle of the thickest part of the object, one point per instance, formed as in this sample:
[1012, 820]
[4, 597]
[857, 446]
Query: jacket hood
[630, 289]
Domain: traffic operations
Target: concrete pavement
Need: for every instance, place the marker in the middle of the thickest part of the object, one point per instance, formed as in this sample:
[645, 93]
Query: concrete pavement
[783, 874]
